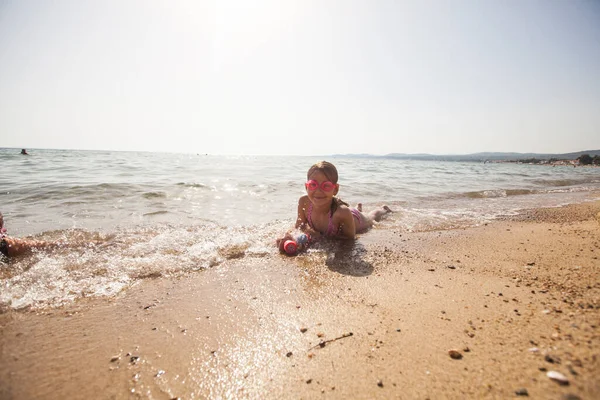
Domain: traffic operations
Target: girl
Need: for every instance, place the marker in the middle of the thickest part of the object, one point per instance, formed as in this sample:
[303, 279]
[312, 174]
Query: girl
[321, 213]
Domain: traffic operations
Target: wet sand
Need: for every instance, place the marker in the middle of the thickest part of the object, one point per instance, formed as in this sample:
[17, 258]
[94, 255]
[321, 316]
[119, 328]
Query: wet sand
[516, 299]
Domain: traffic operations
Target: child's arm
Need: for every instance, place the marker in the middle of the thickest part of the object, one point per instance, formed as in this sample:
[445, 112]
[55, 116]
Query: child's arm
[302, 221]
[301, 224]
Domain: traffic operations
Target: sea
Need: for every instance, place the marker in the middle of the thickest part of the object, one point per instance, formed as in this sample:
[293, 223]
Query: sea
[122, 217]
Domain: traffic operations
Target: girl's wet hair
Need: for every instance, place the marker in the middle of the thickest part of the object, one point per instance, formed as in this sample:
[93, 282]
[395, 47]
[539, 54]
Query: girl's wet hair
[330, 171]
[326, 168]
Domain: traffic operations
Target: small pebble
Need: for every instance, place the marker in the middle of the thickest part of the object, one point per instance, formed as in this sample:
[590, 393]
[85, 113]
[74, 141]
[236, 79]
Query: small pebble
[522, 392]
[455, 354]
[552, 359]
[289, 354]
[303, 330]
[380, 383]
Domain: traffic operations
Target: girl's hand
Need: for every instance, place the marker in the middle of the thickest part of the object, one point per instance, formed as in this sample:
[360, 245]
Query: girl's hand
[314, 235]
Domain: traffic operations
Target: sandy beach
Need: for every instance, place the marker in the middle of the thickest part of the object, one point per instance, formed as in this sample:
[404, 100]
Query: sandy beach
[516, 299]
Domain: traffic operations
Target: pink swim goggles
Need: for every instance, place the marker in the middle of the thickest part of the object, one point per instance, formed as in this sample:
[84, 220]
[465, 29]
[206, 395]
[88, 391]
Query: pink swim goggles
[326, 186]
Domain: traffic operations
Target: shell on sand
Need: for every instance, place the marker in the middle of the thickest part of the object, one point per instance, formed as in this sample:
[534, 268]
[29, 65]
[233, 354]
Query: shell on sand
[557, 376]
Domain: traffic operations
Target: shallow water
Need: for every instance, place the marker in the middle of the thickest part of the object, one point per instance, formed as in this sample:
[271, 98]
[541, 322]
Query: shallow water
[141, 215]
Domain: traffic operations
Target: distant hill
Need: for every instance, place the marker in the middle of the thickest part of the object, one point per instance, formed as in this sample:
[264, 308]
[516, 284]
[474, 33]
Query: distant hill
[484, 156]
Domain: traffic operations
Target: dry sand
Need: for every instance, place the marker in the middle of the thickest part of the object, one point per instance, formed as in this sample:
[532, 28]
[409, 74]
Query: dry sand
[515, 298]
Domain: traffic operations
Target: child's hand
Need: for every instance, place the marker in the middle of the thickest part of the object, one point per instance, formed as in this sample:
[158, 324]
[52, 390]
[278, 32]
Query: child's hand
[314, 235]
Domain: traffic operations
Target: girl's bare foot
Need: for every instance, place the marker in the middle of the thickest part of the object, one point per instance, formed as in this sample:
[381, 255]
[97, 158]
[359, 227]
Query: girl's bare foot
[359, 207]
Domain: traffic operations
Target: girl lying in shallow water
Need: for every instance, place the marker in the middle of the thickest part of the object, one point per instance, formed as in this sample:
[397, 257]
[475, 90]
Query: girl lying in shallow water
[321, 213]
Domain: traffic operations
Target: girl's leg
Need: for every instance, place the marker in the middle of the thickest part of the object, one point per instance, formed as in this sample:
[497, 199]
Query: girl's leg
[17, 247]
[377, 215]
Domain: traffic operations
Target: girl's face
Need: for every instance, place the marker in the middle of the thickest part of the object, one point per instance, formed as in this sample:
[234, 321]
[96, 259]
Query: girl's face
[320, 197]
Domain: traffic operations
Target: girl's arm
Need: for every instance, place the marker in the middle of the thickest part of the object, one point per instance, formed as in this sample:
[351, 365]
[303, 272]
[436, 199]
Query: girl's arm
[302, 221]
[300, 224]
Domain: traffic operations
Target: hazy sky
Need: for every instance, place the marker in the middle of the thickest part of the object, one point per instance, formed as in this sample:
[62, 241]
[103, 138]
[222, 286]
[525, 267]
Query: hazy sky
[300, 76]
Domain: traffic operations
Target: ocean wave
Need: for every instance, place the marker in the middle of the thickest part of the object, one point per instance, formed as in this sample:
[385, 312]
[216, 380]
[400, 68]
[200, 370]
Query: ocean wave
[576, 189]
[566, 181]
[93, 264]
[82, 192]
[149, 214]
[499, 193]
[487, 194]
[154, 195]
[193, 185]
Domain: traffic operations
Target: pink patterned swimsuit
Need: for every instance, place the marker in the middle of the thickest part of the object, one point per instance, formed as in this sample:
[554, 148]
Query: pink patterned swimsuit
[360, 223]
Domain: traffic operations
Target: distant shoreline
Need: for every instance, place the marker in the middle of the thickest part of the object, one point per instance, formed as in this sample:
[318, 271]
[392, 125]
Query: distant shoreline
[561, 163]
[483, 157]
